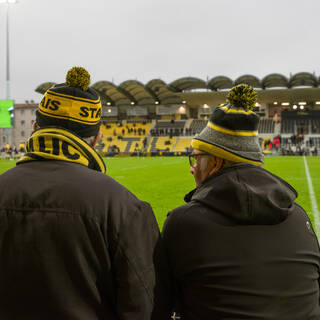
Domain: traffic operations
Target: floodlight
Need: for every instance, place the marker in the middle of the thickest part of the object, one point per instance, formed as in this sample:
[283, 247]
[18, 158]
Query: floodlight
[157, 102]
[109, 103]
[301, 107]
[295, 107]
[182, 109]
[132, 102]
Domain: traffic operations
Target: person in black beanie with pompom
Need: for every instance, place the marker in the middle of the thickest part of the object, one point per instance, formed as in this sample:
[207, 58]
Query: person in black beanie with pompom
[241, 248]
[74, 243]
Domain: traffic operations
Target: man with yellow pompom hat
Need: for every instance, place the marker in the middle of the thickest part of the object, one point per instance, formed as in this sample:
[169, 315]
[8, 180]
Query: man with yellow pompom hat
[74, 243]
[241, 248]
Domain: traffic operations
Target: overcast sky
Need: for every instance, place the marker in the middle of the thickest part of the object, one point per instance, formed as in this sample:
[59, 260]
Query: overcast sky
[147, 39]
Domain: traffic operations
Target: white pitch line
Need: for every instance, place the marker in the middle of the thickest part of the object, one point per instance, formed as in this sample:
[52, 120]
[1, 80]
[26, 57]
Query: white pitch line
[315, 210]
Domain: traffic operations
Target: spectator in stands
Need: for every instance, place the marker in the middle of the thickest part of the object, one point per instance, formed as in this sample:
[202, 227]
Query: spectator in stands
[241, 248]
[75, 244]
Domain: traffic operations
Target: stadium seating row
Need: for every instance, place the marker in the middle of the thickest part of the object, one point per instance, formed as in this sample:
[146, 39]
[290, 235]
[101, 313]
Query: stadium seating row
[129, 144]
[180, 128]
[175, 136]
[118, 129]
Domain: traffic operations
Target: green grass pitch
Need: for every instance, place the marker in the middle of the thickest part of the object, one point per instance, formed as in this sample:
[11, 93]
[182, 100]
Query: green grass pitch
[163, 181]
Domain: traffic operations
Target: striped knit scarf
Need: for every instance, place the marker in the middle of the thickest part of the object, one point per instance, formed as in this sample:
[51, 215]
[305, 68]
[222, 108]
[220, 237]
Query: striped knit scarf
[61, 144]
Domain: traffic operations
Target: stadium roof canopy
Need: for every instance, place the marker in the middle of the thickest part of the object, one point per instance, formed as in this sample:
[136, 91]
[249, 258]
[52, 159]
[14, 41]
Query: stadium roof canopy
[220, 83]
[113, 94]
[139, 92]
[133, 92]
[275, 80]
[44, 87]
[303, 79]
[163, 93]
[188, 83]
[156, 91]
[249, 79]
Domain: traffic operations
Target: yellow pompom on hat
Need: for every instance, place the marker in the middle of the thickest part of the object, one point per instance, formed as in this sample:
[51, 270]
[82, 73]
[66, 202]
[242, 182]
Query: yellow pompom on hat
[72, 105]
[232, 131]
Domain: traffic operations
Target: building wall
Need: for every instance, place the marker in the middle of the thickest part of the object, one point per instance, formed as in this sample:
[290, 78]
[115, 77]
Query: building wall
[24, 117]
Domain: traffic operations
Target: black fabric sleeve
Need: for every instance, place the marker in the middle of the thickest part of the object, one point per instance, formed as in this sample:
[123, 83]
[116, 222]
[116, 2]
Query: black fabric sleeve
[169, 228]
[140, 269]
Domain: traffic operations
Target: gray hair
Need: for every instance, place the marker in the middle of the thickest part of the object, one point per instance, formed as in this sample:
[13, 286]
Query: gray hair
[205, 162]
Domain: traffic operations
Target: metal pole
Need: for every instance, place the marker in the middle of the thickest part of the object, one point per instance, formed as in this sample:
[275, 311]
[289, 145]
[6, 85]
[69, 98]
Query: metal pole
[8, 61]
[8, 130]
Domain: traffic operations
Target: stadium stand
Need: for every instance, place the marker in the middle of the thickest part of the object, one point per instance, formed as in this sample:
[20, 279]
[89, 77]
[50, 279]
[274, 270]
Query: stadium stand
[128, 128]
[182, 144]
[315, 126]
[171, 128]
[266, 126]
[162, 144]
[314, 142]
[299, 135]
[145, 117]
[287, 126]
[115, 144]
[197, 125]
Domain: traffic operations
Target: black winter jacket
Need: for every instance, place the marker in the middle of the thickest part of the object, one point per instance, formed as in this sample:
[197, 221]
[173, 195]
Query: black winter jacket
[243, 249]
[75, 244]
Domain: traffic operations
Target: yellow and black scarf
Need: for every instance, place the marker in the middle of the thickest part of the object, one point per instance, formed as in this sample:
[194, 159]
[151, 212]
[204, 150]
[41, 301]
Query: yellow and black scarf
[61, 144]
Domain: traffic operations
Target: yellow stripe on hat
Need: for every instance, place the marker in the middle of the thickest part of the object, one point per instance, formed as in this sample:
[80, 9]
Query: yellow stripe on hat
[220, 152]
[76, 109]
[232, 132]
[230, 110]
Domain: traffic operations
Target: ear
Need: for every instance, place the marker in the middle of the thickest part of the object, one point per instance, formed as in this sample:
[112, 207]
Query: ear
[97, 138]
[219, 162]
[35, 126]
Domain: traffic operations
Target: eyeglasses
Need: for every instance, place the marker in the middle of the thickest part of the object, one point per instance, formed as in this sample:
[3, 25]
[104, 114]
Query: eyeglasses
[193, 158]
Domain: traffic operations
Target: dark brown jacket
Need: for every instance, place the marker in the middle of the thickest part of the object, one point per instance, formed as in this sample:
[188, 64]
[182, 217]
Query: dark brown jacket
[75, 244]
[243, 249]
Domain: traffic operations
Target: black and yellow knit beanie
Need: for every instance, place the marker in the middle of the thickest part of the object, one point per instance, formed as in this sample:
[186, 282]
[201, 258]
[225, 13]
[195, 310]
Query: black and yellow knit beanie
[232, 131]
[72, 105]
